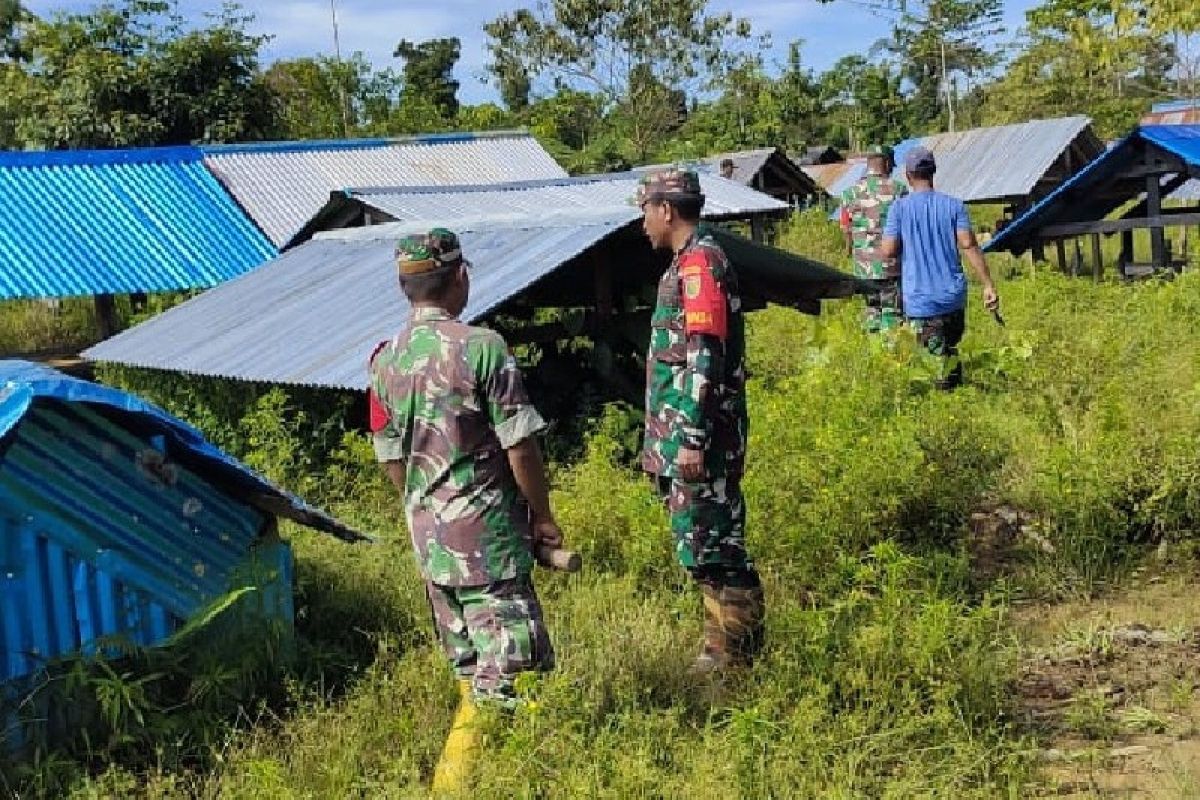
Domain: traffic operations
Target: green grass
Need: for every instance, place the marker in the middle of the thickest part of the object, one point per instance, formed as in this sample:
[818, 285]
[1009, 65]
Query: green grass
[889, 661]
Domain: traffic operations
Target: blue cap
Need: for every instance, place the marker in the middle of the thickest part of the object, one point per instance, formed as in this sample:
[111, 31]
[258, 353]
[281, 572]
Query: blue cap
[919, 160]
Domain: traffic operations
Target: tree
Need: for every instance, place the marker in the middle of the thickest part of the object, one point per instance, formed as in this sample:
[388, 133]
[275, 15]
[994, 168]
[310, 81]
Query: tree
[940, 42]
[11, 15]
[1094, 57]
[801, 111]
[863, 103]
[132, 74]
[205, 85]
[429, 74]
[1179, 21]
[514, 83]
[324, 98]
[746, 114]
[636, 55]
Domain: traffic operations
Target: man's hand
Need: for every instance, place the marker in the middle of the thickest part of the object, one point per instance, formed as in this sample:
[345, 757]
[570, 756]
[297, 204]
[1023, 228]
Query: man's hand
[991, 300]
[691, 464]
[546, 532]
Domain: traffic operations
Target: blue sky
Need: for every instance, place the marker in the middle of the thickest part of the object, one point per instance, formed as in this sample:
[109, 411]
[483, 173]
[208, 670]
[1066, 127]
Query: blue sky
[302, 27]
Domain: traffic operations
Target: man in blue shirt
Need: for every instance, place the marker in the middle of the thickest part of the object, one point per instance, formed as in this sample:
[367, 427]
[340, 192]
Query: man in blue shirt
[927, 229]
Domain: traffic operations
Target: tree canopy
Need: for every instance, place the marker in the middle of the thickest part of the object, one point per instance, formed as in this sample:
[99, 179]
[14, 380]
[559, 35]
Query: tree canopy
[604, 84]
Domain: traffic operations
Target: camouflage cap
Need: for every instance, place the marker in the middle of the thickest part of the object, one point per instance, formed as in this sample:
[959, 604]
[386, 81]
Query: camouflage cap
[422, 253]
[676, 183]
[881, 150]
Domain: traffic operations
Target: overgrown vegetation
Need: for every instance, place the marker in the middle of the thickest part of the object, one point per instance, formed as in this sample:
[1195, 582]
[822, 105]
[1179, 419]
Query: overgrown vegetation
[890, 662]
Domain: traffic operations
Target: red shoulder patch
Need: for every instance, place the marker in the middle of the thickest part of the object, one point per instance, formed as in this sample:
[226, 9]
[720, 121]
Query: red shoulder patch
[704, 299]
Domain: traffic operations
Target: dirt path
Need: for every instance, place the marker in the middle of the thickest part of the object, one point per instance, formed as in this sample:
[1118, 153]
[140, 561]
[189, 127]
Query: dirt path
[1111, 690]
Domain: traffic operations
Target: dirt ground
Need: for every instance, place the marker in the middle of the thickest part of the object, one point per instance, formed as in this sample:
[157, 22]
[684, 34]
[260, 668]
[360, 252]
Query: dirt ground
[1110, 689]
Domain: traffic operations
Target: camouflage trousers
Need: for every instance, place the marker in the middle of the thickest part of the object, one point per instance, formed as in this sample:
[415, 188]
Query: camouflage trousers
[708, 525]
[491, 633]
[940, 336]
[884, 310]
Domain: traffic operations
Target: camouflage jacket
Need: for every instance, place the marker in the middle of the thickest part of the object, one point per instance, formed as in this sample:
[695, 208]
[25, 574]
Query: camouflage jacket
[447, 399]
[866, 204]
[695, 368]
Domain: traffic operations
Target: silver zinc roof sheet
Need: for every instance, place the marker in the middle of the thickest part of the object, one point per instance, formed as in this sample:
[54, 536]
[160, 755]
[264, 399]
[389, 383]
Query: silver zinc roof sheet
[1002, 161]
[282, 185]
[313, 315]
[608, 193]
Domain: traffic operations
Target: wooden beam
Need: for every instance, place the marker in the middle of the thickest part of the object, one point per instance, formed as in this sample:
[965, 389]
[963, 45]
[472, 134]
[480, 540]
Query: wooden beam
[106, 315]
[1097, 263]
[758, 230]
[1117, 225]
[1144, 170]
[1139, 210]
[1061, 247]
[1158, 236]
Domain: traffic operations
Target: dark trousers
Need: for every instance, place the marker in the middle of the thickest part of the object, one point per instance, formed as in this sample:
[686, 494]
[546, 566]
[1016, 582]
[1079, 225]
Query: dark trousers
[940, 335]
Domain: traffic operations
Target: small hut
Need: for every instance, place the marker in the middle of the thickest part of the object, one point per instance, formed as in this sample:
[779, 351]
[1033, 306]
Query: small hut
[1134, 177]
[119, 522]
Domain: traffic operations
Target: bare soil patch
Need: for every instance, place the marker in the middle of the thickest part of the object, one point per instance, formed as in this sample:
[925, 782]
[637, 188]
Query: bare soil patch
[1111, 690]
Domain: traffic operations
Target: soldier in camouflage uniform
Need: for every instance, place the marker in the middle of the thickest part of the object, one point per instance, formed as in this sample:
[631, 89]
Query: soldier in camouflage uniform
[865, 207]
[695, 440]
[455, 429]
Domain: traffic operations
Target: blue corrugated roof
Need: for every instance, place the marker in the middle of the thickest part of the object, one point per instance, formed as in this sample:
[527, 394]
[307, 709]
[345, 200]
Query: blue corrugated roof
[119, 521]
[1078, 199]
[115, 221]
[22, 383]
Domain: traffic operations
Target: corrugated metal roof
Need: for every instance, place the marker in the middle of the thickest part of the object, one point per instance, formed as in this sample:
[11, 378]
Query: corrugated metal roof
[331, 300]
[1079, 198]
[990, 164]
[828, 174]
[611, 193]
[1189, 191]
[819, 155]
[117, 519]
[23, 384]
[747, 164]
[1175, 105]
[92, 222]
[282, 185]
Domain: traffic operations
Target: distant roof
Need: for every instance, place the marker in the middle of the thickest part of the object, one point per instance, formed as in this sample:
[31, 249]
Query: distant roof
[83, 222]
[1174, 112]
[819, 154]
[747, 164]
[1005, 161]
[313, 315]
[724, 199]
[281, 185]
[22, 384]
[829, 176]
[1097, 190]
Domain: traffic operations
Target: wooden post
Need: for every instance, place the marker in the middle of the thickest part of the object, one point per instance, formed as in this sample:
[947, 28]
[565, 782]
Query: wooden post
[1126, 250]
[1060, 247]
[757, 232]
[1158, 239]
[1097, 263]
[603, 284]
[1039, 251]
[106, 315]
